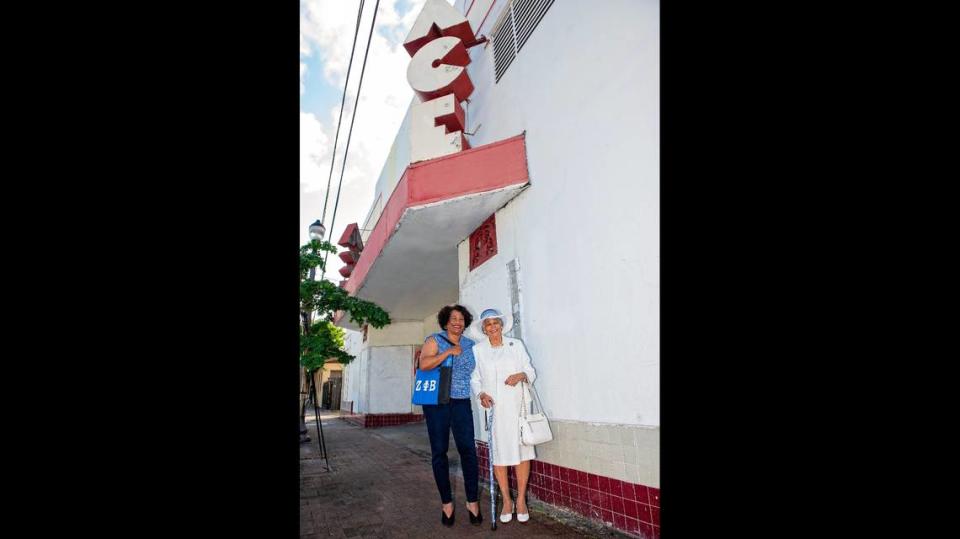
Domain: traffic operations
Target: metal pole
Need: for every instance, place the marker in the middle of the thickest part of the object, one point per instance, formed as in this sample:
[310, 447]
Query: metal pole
[316, 410]
[307, 319]
[493, 492]
[304, 437]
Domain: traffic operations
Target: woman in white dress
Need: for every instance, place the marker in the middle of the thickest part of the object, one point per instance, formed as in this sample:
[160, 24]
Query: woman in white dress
[501, 364]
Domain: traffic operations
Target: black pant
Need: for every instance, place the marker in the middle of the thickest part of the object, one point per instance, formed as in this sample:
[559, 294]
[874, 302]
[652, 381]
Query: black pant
[458, 416]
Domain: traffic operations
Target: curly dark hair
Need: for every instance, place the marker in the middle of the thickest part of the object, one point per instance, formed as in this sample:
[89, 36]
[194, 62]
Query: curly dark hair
[443, 317]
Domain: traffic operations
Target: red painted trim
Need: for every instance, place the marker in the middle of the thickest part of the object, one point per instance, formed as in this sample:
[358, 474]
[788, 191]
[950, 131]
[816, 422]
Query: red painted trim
[345, 237]
[452, 121]
[488, 167]
[461, 88]
[381, 420]
[460, 30]
[628, 507]
[347, 257]
[477, 170]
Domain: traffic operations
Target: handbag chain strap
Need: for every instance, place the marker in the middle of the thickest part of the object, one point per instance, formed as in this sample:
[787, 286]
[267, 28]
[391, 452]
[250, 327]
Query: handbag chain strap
[523, 401]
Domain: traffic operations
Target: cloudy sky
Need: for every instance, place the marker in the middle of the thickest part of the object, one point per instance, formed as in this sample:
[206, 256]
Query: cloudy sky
[326, 33]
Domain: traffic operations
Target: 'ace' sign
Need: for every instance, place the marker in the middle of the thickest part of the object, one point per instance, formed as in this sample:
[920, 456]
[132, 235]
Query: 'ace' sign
[437, 73]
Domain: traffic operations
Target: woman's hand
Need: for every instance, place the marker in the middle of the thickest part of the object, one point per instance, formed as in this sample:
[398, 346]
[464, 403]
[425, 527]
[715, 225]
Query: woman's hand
[514, 379]
[431, 357]
[485, 400]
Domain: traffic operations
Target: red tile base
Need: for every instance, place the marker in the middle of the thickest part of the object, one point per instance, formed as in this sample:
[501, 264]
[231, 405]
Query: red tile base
[628, 507]
[381, 420]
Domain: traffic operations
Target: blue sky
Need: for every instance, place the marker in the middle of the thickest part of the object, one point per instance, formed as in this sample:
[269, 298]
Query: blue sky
[319, 95]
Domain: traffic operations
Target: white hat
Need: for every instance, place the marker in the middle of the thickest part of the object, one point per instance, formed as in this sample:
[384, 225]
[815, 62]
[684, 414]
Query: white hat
[506, 320]
[491, 313]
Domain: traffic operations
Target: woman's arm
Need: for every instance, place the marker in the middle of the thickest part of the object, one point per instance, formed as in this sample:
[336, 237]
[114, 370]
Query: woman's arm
[526, 374]
[476, 377]
[476, 382]
[430, 359]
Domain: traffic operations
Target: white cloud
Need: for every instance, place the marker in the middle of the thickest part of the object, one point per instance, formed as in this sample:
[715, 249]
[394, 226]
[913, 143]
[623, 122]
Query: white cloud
[314, 148]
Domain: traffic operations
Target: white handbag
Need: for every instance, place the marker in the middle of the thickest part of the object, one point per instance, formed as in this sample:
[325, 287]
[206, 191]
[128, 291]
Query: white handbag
[534, 428]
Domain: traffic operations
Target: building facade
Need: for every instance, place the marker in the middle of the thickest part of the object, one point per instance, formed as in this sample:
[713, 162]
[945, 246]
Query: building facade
[525, 177]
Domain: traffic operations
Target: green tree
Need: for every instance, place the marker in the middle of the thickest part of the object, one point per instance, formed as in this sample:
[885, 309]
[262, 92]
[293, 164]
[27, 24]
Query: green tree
[321, 340]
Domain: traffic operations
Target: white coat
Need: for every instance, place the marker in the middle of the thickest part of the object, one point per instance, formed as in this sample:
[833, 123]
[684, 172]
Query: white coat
[493, 366]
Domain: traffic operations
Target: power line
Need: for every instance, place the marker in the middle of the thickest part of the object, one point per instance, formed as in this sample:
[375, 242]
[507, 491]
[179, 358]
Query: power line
[346, 150]
[346, 84]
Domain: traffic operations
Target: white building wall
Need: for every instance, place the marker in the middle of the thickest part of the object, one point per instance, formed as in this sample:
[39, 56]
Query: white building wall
[430, 324]
[585, 90]
[397, 333]
[587, 232]
[352, 343]
[478, 9]
[363, 393]
[391, 367]
[390, 174]
[384, 363]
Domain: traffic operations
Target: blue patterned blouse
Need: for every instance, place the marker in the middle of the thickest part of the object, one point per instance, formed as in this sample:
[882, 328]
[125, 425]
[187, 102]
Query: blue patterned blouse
[462, 365]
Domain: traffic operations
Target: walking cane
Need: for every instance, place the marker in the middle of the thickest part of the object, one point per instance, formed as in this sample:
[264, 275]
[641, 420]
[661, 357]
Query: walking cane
[493, 493]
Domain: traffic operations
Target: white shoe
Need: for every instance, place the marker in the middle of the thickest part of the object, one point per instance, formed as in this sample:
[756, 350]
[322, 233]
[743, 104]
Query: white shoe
[521, 517]
[509, 516]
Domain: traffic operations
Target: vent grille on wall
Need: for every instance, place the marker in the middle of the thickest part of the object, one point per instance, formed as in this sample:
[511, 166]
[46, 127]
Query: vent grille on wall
[517, 23]
[504, 44]
[528, 14]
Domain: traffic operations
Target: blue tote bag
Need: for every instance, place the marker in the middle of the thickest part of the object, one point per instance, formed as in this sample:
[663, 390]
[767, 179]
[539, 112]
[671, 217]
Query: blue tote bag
[433, 386]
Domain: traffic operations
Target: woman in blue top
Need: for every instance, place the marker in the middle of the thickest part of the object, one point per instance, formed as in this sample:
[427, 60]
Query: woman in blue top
[457, 415]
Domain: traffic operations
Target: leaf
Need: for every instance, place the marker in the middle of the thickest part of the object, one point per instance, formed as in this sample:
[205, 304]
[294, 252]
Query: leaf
[323, 340]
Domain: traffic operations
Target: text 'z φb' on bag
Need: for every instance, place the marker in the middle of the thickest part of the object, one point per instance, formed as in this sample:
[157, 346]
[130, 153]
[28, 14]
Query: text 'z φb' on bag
[433, 386]
[534, 428]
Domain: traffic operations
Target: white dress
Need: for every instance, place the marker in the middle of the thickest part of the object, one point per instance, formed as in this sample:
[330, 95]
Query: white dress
[494, 365]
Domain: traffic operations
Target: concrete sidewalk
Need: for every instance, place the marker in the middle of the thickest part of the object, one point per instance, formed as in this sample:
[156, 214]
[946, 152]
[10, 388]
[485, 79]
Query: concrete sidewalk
[380, 484]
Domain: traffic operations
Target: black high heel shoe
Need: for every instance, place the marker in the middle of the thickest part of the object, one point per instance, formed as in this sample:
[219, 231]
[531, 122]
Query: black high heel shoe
[478, 519]
[448, 522]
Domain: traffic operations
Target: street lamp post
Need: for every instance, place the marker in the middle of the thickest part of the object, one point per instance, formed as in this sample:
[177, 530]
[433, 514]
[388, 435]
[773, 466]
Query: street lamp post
[317, 232]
